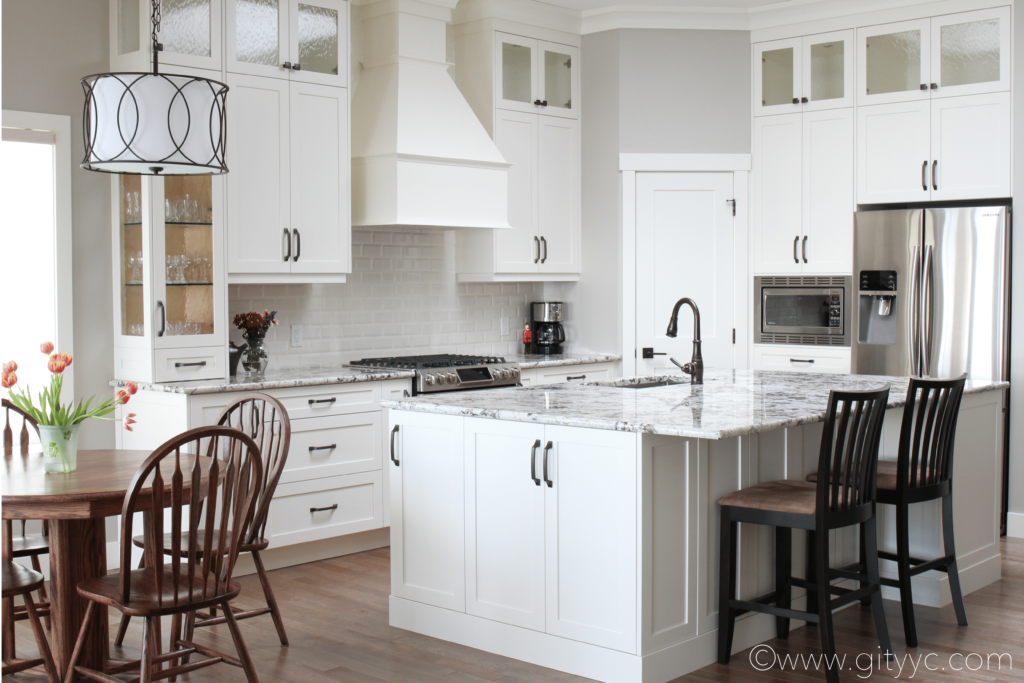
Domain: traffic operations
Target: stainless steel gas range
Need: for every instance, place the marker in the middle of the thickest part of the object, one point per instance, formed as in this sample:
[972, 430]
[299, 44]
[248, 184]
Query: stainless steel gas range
[443, 372]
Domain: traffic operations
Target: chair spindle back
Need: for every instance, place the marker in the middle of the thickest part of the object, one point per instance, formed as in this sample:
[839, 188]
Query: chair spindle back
[928, 431]
[217, 472]
[263, 418]
[848, 460]
[23, 436]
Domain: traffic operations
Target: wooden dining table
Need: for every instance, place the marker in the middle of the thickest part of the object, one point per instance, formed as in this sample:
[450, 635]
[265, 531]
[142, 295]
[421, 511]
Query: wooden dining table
[76, 506]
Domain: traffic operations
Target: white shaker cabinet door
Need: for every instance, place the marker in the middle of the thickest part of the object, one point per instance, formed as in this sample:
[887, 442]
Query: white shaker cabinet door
[591, 535]
[893, 153]
[971, 147]
[258, 193]
[505, 522]
[321, 168]
[427, 509]
[559, 195]
[777, 187]
[518, 250]
[827, 242]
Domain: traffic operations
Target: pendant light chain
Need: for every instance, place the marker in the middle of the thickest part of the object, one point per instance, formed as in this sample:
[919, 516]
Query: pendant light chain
[157, 47]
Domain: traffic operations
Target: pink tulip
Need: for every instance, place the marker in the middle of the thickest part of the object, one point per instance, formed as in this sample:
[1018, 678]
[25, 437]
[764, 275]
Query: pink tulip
[129, 428]
[131, 388]
[56, 364]
[10, 366]
[46, 348]
[8, 379]
[66, 357]
[121, 396]
[131, 414]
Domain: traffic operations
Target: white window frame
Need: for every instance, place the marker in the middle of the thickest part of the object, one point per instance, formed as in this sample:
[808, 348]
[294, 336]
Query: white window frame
[60, 126]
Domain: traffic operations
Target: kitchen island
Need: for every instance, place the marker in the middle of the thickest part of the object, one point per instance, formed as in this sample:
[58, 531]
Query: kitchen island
[575, 526]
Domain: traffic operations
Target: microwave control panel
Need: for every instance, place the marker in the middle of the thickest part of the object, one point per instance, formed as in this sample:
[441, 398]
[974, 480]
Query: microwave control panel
[835, 308]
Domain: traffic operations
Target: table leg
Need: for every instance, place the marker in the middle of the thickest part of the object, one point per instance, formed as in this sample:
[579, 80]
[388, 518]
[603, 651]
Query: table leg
[8, 603]
[78, 551]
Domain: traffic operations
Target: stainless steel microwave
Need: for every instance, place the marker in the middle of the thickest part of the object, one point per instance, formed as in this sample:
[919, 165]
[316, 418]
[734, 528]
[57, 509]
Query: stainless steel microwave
[802, 310]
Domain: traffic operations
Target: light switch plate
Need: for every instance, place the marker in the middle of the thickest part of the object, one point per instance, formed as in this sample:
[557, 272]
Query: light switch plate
[296, 335]
[504, 326]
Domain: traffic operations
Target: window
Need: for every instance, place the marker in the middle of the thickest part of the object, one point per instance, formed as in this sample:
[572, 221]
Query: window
[35, 243]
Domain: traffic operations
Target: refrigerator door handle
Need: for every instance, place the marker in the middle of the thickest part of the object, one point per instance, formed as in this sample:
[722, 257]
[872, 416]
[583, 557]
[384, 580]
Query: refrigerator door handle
[927, 312]
[915, 309]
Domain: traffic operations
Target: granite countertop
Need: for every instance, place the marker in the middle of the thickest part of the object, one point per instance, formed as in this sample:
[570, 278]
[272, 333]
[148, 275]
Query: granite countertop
[274, 379]
[729, 403]
[541, 360]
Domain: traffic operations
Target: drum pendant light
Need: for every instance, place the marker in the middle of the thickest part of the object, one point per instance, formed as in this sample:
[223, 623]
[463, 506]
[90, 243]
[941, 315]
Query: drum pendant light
[154, 123]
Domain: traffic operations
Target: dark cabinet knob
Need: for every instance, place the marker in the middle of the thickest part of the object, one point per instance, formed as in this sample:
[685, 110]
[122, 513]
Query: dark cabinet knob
[796, 100]
[297, 67]
[287, 65]
[803, 100]
[924, 86]
[935, 86]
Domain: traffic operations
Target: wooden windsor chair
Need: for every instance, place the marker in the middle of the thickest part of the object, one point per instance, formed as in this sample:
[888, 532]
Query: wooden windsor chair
[18, 580]
[264, 419]
[24, 544]
[210, 500]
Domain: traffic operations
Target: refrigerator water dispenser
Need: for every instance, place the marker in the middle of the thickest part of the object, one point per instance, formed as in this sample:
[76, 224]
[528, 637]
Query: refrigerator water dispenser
[878, 306]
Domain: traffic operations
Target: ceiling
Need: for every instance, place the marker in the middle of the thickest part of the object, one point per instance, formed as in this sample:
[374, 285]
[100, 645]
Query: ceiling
[714, 6]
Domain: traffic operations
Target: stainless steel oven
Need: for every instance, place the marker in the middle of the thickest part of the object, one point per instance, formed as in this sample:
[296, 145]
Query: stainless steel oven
[802, 310]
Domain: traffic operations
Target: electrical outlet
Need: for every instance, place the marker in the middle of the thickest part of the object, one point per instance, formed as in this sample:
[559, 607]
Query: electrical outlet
[296, 335]
[504, 326]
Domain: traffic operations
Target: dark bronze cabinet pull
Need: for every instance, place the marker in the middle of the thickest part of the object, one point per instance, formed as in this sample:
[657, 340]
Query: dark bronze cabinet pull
[533, 462]
[298, 244]
[537, 241]
[393, 458]
[544, 241]
[163, 319]
[547, 449]
[801, 360]
[326, 509]
[314, 401]
[924, 180]
[804, 248]
[796, 241]
[323, 448]
[288, 236]
[935, 177]
[581, 376]
[197, 364]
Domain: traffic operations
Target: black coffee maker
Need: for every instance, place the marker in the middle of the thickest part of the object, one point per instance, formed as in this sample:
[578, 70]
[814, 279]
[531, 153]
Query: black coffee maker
[546, 325]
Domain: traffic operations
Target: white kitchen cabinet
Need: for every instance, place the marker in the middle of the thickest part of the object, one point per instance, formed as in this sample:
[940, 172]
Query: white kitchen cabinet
[948, 148]
[804, 74]
[517, 136]
[317, 509]
[190, 32]
[558, 200]
[257, 38]
[505, 568]
[535, 76]
[805, 359]
[288, 190]
[777, 190]
[945, 56]
[589, 372]
[169, 278]
[428, 509]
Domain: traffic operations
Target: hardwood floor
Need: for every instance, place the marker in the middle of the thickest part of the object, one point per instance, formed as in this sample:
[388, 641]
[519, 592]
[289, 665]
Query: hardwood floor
[337, 619]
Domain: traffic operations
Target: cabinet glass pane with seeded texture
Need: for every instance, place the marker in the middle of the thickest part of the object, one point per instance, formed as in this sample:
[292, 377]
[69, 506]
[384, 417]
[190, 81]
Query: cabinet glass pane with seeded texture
[185, 27]
[256, 31]
[318, 39]
[777, 77]
[893, 62]
[827, 71]
[969, 53]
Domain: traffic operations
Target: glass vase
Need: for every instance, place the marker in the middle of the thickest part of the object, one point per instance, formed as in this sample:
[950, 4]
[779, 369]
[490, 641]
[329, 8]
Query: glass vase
[254, 358]
[60, 447]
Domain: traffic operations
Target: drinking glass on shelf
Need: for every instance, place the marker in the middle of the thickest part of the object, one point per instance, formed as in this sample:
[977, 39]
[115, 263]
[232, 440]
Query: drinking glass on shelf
[204, 269]
[133, 271]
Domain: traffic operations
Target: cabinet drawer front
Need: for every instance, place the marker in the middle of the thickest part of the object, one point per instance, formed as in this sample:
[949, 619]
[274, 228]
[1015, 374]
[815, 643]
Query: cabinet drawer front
[331, 446]
[330, 399]
[796, 359]
[325, 508]
[574, 373]
[181, 365]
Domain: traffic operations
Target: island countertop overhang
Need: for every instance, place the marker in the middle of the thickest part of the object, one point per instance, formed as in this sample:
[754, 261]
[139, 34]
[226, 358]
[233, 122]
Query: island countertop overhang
[730, 403]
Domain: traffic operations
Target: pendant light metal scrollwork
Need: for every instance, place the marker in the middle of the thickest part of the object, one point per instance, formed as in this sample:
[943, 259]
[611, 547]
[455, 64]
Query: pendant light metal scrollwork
[154, 123]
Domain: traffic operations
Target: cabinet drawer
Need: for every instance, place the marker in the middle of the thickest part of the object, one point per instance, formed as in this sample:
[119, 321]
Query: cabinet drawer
[330, 446]
[324, 508]
[802, 359]
[181, 365]
[573, 373]
[329, 399]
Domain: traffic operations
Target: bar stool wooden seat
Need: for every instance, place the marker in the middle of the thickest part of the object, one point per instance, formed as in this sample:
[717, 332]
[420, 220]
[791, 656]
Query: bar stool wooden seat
[923, 471]
[218, 489]
[18, 580]
[264, 419]
[24, 544]
[849, 453]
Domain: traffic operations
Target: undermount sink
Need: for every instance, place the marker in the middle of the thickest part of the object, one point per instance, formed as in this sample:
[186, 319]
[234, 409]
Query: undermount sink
[648, 384]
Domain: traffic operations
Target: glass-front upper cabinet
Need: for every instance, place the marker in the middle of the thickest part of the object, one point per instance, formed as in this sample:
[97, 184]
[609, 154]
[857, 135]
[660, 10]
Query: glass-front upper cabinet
[169, 278]
[190, 32]
[970, 52]
[536, 76]
[257, 38]
[894, 62]
[804, 74]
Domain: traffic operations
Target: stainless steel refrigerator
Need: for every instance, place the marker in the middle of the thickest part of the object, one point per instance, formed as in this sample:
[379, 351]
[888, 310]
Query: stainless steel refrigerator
[933, 292]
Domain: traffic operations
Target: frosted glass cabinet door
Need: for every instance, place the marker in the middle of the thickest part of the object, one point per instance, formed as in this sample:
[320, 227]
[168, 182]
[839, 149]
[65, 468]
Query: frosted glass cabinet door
[515, 73]
[318, 41]
[971, 53]
[893, 63]
[190, 32]
[558, 82]
[778, 82]
[257, 37]
[828, 71]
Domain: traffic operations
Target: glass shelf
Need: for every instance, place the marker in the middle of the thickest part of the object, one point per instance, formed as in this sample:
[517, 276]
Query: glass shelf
[200, 223]
[174, 284]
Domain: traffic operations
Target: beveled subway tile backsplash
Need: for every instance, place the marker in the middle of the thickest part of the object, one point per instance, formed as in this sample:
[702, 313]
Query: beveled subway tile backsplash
[400, 299]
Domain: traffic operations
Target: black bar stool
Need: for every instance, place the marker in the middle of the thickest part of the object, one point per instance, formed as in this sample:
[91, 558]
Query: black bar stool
[849, 454]
[18, 580]
[923, 471]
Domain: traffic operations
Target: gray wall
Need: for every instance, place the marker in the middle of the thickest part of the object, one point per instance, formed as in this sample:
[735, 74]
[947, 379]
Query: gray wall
[48, 46]
[644, 90]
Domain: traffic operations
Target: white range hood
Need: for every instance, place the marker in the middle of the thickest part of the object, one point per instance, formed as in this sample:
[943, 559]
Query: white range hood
[420, 157]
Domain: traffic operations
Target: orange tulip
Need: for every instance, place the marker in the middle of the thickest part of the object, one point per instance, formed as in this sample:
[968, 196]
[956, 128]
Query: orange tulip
[66, 357]
[131, 388]
[46, 348]
[9, 366]
[8, 379]
[121, 396]
[56, 364]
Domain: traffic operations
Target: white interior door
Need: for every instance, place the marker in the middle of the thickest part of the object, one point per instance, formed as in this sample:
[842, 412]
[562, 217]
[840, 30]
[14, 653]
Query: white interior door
[505, 522]
[685, 243]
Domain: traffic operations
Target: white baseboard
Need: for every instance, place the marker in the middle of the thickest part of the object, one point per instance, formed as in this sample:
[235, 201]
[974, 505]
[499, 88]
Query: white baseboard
[1015, 524]
[931, 589]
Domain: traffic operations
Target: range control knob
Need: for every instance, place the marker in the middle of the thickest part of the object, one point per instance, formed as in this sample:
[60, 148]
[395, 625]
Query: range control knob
[452, 378]
[504, 373]
[429, 379]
